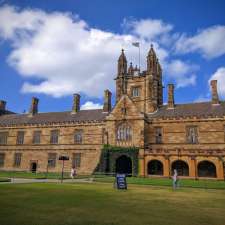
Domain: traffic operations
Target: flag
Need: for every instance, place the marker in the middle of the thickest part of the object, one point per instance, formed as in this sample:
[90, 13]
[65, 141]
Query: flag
[136, 44]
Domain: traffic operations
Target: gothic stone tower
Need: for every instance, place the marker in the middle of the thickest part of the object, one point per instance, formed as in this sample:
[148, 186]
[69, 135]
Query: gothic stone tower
[144, 88]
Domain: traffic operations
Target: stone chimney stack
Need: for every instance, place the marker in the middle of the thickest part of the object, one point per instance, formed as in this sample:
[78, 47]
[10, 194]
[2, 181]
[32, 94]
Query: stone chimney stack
[76, 103]
[170, 96]
[215, 97]
[2, 105]
[34, 106]
[107, 101]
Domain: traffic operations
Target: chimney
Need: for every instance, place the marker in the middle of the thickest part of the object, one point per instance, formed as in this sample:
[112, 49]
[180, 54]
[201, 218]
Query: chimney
[107, 101]
[76, 103]
[170, 96]
[2, 105]
[215, 97]
[34, 106]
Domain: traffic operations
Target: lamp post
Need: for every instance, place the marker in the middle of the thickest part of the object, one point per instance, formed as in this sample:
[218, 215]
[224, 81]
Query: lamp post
[63, 158]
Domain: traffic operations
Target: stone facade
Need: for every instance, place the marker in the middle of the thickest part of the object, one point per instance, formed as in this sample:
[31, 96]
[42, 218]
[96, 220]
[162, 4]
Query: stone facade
[186, 137]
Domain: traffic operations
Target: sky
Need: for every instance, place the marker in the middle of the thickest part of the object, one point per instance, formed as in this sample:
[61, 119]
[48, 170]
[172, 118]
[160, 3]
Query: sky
[52, 49]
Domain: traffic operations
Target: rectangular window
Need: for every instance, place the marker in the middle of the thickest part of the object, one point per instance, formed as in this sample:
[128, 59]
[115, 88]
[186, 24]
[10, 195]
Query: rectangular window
[135, 91]
[192, 135]
[76, 160]
[52, 159]
[158, 135]
[78, 136]
[2, 159]
[20, 137]
[17, 159]
[54, 137]
[37, 137]
[3, 138]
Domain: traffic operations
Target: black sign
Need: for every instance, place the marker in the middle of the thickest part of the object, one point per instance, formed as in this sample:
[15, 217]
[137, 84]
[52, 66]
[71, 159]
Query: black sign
[64, 157]
[121, 181]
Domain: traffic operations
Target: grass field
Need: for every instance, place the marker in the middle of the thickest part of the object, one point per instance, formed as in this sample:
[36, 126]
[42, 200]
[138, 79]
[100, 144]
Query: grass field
[109, 179]
[99, 203]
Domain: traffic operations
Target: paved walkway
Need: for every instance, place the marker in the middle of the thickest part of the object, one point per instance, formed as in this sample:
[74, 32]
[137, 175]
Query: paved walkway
[26, 181]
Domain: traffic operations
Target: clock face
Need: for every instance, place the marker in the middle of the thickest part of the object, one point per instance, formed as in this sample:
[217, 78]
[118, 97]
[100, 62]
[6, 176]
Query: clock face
[136, 73]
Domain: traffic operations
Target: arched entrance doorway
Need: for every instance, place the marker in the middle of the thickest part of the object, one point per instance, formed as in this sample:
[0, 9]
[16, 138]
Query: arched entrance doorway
[124, 165]
[33, 167]
[181, 167]
[206, 169]
[155, 167]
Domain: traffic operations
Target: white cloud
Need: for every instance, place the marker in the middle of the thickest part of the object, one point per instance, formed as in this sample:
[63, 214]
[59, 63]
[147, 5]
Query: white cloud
[209, 42]
[91, 105]
[148, 28]
[64, 53]
[183, 73]
[67, 56]
[202, 98]
[219, 75]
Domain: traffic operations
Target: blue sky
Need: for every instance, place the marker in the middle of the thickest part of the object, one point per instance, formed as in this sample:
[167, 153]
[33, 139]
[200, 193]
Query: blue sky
[52, 49]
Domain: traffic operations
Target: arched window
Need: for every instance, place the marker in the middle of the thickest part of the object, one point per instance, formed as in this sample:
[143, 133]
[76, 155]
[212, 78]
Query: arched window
[124, 132]
[181, 167]
[206, 169]
[155, 167]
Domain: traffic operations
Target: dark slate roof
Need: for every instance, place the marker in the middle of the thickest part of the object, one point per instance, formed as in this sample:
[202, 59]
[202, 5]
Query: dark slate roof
[199, 110]
[53, 117]
[3, 112]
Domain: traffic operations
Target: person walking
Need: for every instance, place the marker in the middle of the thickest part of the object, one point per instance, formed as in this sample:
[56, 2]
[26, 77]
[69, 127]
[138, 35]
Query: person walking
[72, 173]
[175, 179]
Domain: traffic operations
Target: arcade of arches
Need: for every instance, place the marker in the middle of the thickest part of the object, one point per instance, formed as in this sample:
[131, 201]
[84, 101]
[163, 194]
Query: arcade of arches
[203, 168]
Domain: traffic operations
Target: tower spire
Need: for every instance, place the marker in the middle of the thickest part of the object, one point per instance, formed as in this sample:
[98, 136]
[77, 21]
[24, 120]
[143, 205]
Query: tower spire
[122, 64]
[131, 69]
[151, 60]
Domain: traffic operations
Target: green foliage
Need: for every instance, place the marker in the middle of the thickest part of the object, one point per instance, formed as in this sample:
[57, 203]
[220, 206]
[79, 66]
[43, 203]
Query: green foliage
[111, 153]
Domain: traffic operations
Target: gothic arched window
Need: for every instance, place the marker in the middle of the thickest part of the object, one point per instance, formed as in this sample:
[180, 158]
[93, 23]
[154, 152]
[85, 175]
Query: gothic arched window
[124, 132]
[192, 135]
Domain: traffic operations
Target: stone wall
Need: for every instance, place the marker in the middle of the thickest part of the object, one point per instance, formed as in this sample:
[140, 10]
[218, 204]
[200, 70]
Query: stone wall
[90, 148]
[174, 146]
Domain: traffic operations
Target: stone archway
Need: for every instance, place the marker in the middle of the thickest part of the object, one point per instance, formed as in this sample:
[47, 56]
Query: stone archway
[124, 165]
[181, 167]
[155, 167]
[206, 169]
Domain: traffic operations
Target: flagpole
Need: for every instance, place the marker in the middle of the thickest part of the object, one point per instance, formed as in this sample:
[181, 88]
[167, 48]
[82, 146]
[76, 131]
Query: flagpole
[139, 59]
[137, 44]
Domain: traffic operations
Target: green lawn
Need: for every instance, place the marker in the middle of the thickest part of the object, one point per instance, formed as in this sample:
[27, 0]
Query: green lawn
[24, 174]
[99, 203]
[109, 179]
[214, 184]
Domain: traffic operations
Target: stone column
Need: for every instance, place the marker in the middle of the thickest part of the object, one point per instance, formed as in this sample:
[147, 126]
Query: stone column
[141, 162]
[107, 101]
[219, 170]
[215, 97]
[170, 96]
[34, 106]
[2, 105]
[193, 169]
[76, 103]
[166, 171]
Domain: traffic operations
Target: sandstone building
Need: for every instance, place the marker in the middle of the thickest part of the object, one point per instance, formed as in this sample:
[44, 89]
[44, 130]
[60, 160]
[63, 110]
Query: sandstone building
[140, 135]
